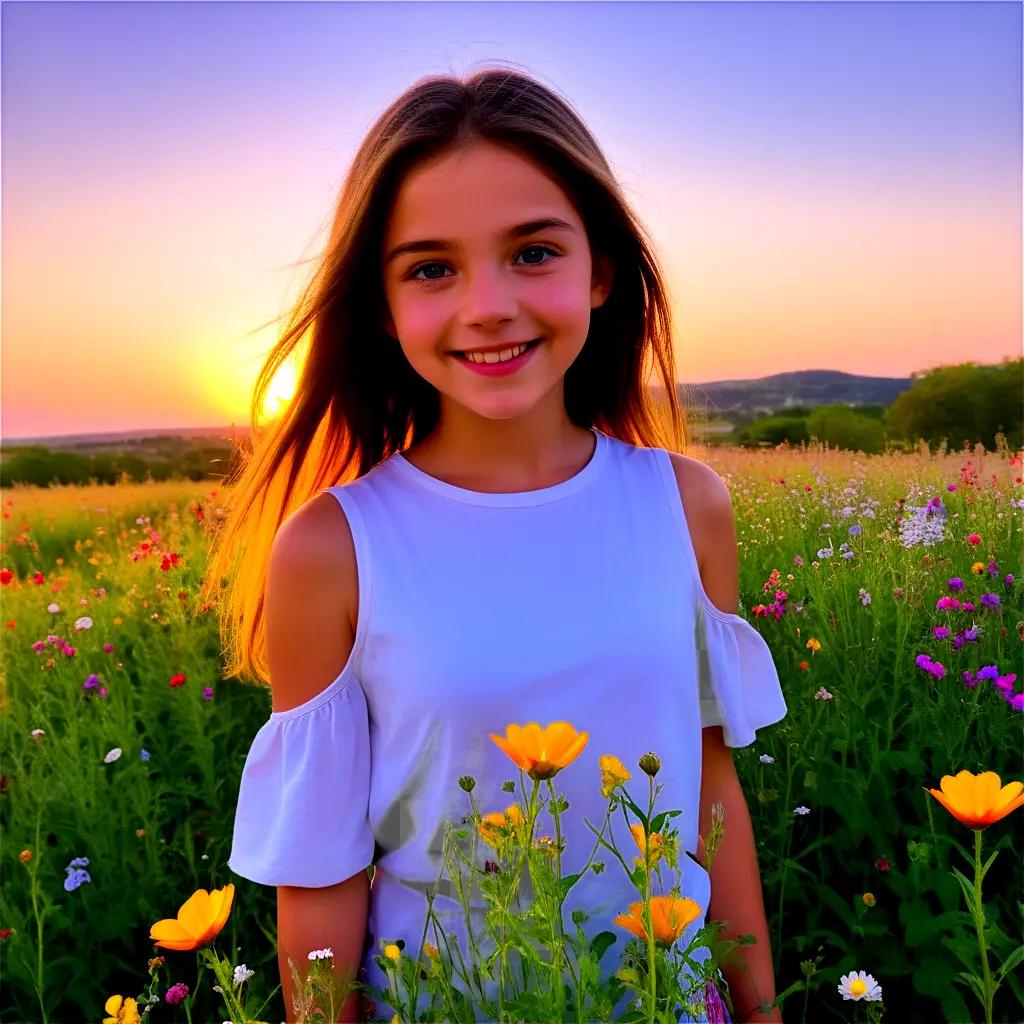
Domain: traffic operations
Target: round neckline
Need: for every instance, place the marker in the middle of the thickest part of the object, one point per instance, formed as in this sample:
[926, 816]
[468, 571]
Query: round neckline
[510, 499]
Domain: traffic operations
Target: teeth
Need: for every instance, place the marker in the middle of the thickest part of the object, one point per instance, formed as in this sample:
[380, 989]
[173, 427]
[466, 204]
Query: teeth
[496, 357]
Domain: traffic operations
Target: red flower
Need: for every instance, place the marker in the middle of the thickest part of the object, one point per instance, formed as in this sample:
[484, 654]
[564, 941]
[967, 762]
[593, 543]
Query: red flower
[10, 623]
[6, 576]
[4, 932]
[883, 864]
[178, 679]
[38, 578]
[973, 539]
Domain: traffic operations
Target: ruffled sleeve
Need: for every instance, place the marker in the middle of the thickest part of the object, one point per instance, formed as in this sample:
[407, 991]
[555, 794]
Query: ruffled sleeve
[302, 816]
[737, 680]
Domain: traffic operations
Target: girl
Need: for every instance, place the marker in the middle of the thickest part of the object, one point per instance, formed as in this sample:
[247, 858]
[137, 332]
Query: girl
[472, 514]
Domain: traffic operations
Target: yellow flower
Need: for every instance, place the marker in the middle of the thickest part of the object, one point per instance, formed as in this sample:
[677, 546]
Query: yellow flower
[669, 918]
[613, 773]
[869, 899]
[121, 1010]
[638, 837]
[499, 826]
[199, 920]
[542, 753]
[392, 952]
[117, 620]
[430, 949]
[25, 856]
[813, 645]
[978, 568]
[978, 800]
[395, 1020]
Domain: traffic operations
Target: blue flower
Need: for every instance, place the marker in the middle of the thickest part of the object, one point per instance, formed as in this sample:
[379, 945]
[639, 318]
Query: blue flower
[144, 754]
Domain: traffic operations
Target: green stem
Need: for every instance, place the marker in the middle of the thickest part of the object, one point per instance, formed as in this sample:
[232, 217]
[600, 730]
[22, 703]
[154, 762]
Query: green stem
[652, 972]
[40, 987]
[979, 924]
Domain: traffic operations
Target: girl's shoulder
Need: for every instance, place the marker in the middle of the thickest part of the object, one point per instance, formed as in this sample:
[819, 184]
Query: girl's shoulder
[707, 505]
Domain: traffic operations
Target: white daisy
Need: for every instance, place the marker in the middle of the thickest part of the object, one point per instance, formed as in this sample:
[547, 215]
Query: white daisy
[766, 759]
[801, 810]
[112, 755]
[859, 985]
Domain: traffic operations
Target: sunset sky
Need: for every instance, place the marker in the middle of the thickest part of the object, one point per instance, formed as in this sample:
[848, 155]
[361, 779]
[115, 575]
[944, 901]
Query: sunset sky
[830, 185]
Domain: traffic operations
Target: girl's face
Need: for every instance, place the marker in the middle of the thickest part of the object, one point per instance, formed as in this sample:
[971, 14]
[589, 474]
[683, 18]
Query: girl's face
[469, 264]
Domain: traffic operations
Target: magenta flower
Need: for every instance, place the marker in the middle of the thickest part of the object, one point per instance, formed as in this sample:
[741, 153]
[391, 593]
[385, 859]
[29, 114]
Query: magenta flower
[940, 632]
[176, 993]
[955, 584]
[973, 539]
[207, 693]
[946, 604]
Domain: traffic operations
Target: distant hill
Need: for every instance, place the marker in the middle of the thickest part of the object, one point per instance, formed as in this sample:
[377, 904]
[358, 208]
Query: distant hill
[717, 397]
[782, 390]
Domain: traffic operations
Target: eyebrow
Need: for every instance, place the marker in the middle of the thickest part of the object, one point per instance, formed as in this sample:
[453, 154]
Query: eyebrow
[530, 227]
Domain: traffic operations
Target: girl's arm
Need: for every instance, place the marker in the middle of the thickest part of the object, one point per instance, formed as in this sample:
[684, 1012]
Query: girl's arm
[736, 895]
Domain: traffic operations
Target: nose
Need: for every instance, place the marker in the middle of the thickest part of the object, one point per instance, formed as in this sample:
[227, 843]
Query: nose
[488, 299]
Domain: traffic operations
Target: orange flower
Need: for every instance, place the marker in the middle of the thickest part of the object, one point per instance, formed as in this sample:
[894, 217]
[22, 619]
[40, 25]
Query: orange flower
[638, 837]
[669, 917]
[613, 773]
[978, 800]
[199, 920]
[496, 828]
[542, 753]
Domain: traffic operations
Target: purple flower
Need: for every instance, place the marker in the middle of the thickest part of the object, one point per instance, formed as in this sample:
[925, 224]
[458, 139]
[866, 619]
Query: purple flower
[990, 600]
[76, 874]
[91, 682]
[950, 487]
[798, 560]
[993, 568]
[955, 584]
[854, 530]
[1005, 683]
[969, 680]
[176, 993]
[207, 693]
[1017, 701]
[144, 754]
[988, 672]
[940, 632]
[971, 634]
[1008, 579]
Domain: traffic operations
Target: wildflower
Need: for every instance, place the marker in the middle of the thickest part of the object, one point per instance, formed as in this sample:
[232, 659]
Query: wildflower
[613, 773]
[978, 568]
[144, 754]
[495, 828]
[392, 952]
[854, 530]
[978, 800]
[825, 553]
[112, 755]
[541, 752]
[813, 645]
[869, 899]
[823, 694]
[973, 539]
[859, 985]
[320, 954]
[650, 764]
[37, 734]
[955, 584]
[897, 592]
[176, 993]
[766, 759]
[141, 833]
[934, 668]
[669, 918]
[940, 632]
[207, 693]
[431, 950]
[6, 576]
[5, 932]
[83, 623]
[803, 666]
[865, 597]
[76, 877]
[91, 681]
[801, 810]
[242, 974]
[53, 608]
[1008, 579]
[178, 679]
[121, 1010]
[990, 601]
[199, 920]
[108, 648]
[798, 560]
[25, 856]
[655, 844]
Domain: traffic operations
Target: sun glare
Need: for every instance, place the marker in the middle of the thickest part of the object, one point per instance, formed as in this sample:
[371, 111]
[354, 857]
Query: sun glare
[281, 391]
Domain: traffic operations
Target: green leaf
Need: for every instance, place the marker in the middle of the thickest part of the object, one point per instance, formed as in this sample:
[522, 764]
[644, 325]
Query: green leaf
[988, 864]
[1010, 962]
[967, 887]
[975, 985]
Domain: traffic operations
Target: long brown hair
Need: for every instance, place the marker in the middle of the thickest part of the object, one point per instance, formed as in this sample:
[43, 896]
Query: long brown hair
[357, 398]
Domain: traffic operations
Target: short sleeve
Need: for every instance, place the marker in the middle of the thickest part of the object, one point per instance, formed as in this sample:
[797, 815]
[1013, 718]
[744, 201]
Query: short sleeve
[737, 680]
[302, 816]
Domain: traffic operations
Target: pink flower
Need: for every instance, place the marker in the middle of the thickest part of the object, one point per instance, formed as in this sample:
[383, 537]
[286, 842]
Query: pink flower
[973, 539]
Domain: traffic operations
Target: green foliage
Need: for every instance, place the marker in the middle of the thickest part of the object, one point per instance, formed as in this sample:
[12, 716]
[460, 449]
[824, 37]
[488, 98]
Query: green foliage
[963, 404]
[839, 426]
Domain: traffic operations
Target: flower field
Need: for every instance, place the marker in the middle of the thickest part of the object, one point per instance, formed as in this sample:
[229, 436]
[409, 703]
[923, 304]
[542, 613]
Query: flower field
[888, 588]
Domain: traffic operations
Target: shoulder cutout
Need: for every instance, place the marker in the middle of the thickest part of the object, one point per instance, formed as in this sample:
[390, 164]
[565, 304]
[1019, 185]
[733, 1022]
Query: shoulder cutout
[709, 515]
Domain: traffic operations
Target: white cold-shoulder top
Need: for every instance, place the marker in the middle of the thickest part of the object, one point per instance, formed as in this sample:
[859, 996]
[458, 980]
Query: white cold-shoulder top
[579, 602]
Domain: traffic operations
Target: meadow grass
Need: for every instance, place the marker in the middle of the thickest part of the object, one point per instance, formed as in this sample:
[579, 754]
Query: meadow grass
[123, 744]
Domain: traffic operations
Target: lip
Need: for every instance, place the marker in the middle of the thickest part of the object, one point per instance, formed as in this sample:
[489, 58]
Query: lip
[499, 369]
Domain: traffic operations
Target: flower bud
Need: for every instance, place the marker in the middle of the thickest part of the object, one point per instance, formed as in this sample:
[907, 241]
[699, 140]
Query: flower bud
[650, 763]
